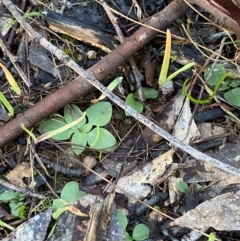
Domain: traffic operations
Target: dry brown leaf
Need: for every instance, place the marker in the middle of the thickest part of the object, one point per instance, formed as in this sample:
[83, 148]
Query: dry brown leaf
[75, 211]
[181, 129]
[18, 173]
[139, 184]
[221, 213]
[138, 10]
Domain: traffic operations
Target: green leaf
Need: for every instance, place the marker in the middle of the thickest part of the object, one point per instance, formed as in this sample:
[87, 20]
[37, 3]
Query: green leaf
[150, 93]
[111, 86]
[127, 236]
[11, 80]
[26, 15]
[15, 208]
[130, 99]
[80, 139]
[182, 186]
[7, 195]
[64, 128]
[58, 204]
[233, 96]
[136, 105]
[140, 232]
[224, 86]
[234, 83]
[86, 128]
[10, 195]
[30, 133]
[59, 212]
[71, 192]
[99, 114]
[54, 124]
[6, 104]
[96, 136]
[217, 74]
[199, 187]
[72, 113]
[18, 196]
[122, 219]
[185, 67]
[101, 139]
[211, 237]
[123, 222]
[23, 211]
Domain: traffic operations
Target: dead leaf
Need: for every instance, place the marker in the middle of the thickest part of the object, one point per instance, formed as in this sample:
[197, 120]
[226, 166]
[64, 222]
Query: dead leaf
[18, 173]
[221, 213]
[139, 184]
[207, 130]
[75, 211]
[181, 129]
[138, 10]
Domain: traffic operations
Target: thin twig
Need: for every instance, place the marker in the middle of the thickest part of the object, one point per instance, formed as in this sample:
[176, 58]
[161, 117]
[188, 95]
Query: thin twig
[23, 190]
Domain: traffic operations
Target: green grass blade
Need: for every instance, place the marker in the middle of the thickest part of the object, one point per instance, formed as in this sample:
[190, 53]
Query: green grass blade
[50, 134]
[11, 80]
[185, 67]
[111, 87]
[166, 60]
[6, 104]
[30, 133]
[26, 15]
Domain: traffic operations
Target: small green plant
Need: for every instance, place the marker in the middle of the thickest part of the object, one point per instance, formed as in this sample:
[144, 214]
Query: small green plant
[140, 231]
[43, 205]
[7, 104]
[220, 80]
[211, 237]
[69, 194]
[26, 15]
[16, 205]
[163, 79]
[14, 87]
[30, 133]
[111, 87]
[85, 131]
[183, 187]
[229, 85]
[149, 93]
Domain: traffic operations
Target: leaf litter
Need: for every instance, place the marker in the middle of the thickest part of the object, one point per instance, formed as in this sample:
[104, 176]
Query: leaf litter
[140, 182]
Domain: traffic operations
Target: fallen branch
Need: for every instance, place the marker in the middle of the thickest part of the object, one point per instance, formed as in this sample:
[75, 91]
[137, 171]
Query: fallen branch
[220, 15]
[88, 76]
[79, 86]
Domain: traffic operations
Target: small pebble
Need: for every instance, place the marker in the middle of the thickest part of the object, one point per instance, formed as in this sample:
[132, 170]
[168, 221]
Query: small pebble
[92, 54]
[90, 162]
